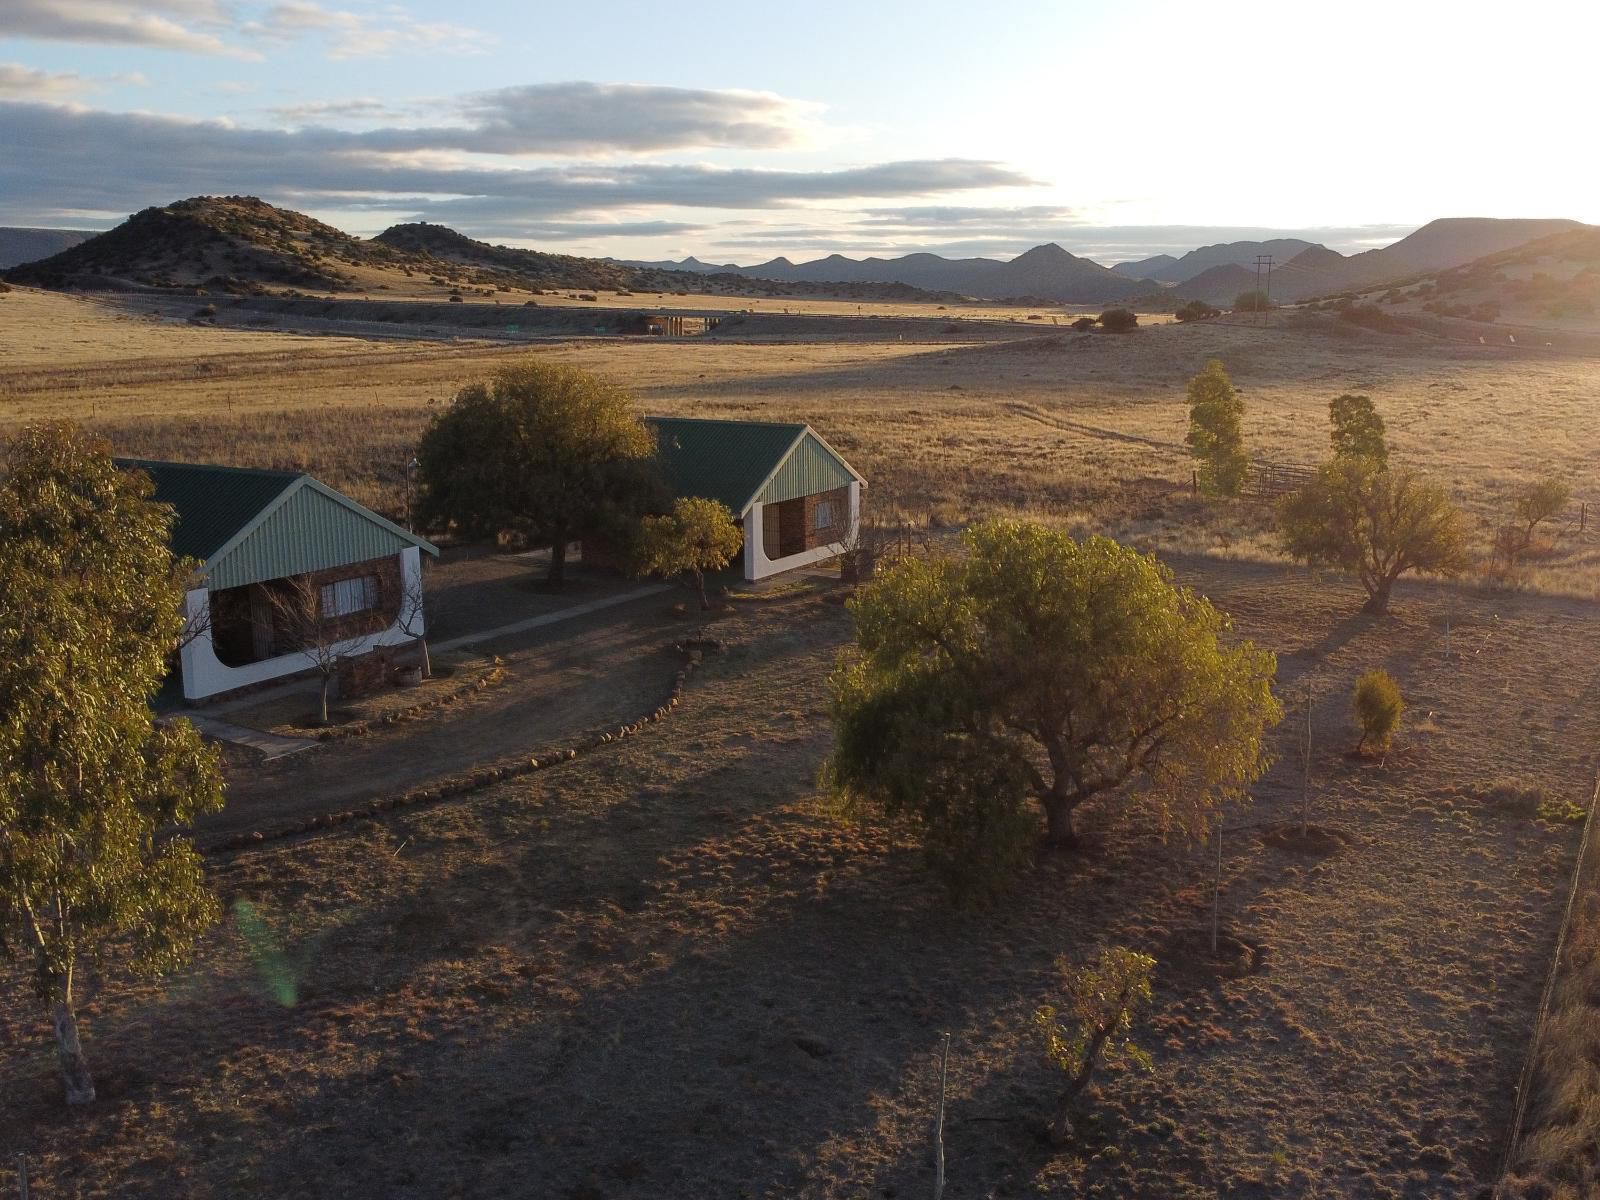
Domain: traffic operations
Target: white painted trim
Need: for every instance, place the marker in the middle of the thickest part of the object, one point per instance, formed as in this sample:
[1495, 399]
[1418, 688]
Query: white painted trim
[758, 566]
[772, 474]
[843, 462]
[338, 497]
[204, 674]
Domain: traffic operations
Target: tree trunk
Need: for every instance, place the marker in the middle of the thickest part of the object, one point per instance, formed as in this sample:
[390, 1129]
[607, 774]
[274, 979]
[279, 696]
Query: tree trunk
[427, 662]
[1061, 1126]
[700, 583]
[558, 560]
[327, 680]
[1378, 601]
[1058, 831]
[74, 1071]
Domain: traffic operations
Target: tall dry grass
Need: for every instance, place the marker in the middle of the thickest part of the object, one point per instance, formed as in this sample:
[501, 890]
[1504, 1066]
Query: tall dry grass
[1558, 1157]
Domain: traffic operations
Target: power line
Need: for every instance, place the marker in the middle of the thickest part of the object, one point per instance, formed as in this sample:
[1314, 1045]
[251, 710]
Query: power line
[1263, 294]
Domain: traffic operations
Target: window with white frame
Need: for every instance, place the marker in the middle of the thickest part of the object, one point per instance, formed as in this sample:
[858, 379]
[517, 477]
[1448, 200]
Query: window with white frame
[823, 515]
[346, 596]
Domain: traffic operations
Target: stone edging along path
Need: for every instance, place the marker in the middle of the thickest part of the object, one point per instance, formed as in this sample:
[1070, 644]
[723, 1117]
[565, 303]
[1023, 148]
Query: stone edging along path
[336, 733]
[478, 778]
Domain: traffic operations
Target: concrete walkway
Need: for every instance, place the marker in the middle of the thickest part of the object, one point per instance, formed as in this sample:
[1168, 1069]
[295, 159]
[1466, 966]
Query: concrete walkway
[269, 744]
[565, 614]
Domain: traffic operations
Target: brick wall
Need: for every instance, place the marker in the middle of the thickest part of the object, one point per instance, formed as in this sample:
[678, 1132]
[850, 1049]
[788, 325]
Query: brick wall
[838, 527]
[390, 589]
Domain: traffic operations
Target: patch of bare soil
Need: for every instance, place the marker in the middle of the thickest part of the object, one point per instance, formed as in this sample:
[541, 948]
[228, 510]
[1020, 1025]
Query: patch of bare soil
[1198, 953]
[1304, 839]
[667, 970]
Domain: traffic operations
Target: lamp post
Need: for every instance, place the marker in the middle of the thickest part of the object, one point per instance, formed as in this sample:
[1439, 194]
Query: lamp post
[411, 465]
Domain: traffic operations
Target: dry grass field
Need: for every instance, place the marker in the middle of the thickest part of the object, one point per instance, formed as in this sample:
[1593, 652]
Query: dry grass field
[666, 970]
[949, 420]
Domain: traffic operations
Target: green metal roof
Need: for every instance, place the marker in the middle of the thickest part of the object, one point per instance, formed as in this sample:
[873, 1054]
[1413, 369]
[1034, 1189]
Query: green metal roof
[744, 462]
[212, 503]
[247, 526]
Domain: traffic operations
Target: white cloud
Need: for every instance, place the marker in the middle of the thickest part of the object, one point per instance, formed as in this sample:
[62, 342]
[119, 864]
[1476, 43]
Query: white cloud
[215, 27]
[353, 35]
[18, 82]
[189, 25]
[71, 157]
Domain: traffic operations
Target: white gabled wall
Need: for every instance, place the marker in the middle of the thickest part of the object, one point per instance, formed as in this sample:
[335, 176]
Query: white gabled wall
[758, 566]
[204, 674]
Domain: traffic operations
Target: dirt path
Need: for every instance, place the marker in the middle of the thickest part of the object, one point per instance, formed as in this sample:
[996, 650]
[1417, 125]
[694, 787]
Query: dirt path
[598, 670]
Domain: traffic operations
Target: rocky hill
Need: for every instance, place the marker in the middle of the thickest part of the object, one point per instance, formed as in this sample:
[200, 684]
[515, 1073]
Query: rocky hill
[242, 245]
[539, 269]
[1318, 271]
[227, 243]
[1551, 281]
[442, 244]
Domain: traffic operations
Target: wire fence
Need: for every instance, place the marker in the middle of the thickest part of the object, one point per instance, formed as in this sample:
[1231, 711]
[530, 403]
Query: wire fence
[1519, 1113]
[1270, 479]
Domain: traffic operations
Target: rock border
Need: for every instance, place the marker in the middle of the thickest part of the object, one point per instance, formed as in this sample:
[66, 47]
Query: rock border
[477, 779]
[338, 733]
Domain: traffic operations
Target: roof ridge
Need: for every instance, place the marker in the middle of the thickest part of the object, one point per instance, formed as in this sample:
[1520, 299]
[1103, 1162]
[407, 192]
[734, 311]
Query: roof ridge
[175, 465]
[732, 421]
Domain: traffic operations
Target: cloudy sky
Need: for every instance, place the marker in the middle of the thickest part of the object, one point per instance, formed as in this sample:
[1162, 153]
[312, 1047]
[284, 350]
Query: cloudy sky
[737, 133]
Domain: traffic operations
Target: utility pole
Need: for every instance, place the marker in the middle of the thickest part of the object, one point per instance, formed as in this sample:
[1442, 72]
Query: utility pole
[1264, 293]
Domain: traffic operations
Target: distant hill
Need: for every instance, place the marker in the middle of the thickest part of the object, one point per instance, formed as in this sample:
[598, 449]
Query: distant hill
[686, 264]
[1047, 272]
[1144, 268]
[19, 246]
[1242, 254]
[232, 243]
[1319, 271]
[1220, 285]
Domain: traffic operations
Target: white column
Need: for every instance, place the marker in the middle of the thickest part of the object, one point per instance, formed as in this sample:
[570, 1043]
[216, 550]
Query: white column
[197, 657]
[411, 590]
[754, 558]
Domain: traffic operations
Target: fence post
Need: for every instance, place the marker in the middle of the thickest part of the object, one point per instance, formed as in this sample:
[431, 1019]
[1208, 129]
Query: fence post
[938, 1125]
[1216, 895]
[22, 1176]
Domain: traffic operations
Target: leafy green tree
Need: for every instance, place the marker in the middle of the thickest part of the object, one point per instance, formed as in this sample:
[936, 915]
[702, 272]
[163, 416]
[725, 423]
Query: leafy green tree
[1215, 434]
[1358, 430]
[541, 449]
[1378, 704]
[1251, 301]
[1378, 522]
[1039, 670]
[1096, 1024]
[1539, 501]
[89, 610]
[699, 535]
[1119, 320]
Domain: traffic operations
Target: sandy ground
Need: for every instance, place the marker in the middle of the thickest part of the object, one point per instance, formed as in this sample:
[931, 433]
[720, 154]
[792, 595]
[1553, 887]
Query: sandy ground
[666, 970]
